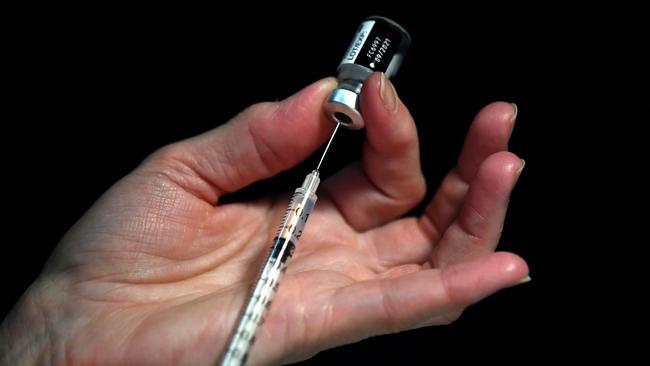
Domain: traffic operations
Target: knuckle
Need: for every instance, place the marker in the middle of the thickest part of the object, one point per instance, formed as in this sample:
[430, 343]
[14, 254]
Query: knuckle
[261, 109]
[388, 307]
[449, 317]
[173, 161]
[419, 189]
[168, 153]
[403, 139]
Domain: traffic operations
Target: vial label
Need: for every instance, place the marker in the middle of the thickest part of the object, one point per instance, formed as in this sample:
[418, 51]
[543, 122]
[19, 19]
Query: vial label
[374, 46]
[359, 40]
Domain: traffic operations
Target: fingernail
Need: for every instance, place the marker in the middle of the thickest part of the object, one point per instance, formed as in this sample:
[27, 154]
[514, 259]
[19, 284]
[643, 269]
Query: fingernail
[524, 280]
[514, 115]
[518, 172]
[521, 168]
[387, 93]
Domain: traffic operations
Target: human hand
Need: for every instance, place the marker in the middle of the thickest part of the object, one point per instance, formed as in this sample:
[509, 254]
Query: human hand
[157, 270]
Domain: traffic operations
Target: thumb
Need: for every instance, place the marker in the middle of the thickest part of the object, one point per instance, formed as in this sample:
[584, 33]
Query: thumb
[260, 142]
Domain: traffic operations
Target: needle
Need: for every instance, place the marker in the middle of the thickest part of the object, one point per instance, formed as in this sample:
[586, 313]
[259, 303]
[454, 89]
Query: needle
[328, 146]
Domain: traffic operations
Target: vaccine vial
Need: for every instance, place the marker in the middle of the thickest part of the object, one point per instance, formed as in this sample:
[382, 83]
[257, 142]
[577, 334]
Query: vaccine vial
[379, 44]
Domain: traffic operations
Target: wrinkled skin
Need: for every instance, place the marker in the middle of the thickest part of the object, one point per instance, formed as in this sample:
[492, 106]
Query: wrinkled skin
[157, 270]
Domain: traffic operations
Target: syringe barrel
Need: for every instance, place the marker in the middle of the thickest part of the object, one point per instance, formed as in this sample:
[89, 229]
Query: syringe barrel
[266, 285]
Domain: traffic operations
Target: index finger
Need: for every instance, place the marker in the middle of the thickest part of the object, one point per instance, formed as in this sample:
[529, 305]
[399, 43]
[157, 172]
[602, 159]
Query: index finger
[388, 181]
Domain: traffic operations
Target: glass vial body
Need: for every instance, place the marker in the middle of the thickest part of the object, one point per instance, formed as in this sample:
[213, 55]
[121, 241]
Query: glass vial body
[379, 45]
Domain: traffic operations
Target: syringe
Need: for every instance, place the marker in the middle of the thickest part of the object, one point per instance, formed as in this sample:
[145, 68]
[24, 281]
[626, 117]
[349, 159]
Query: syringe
[288, 235]
[379, 44]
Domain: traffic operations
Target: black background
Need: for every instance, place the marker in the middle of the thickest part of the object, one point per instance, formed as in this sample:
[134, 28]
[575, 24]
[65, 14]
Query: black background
[96, 93]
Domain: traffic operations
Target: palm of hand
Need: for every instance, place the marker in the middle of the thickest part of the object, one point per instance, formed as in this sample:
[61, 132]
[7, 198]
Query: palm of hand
[157, 274]
[176, 301]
